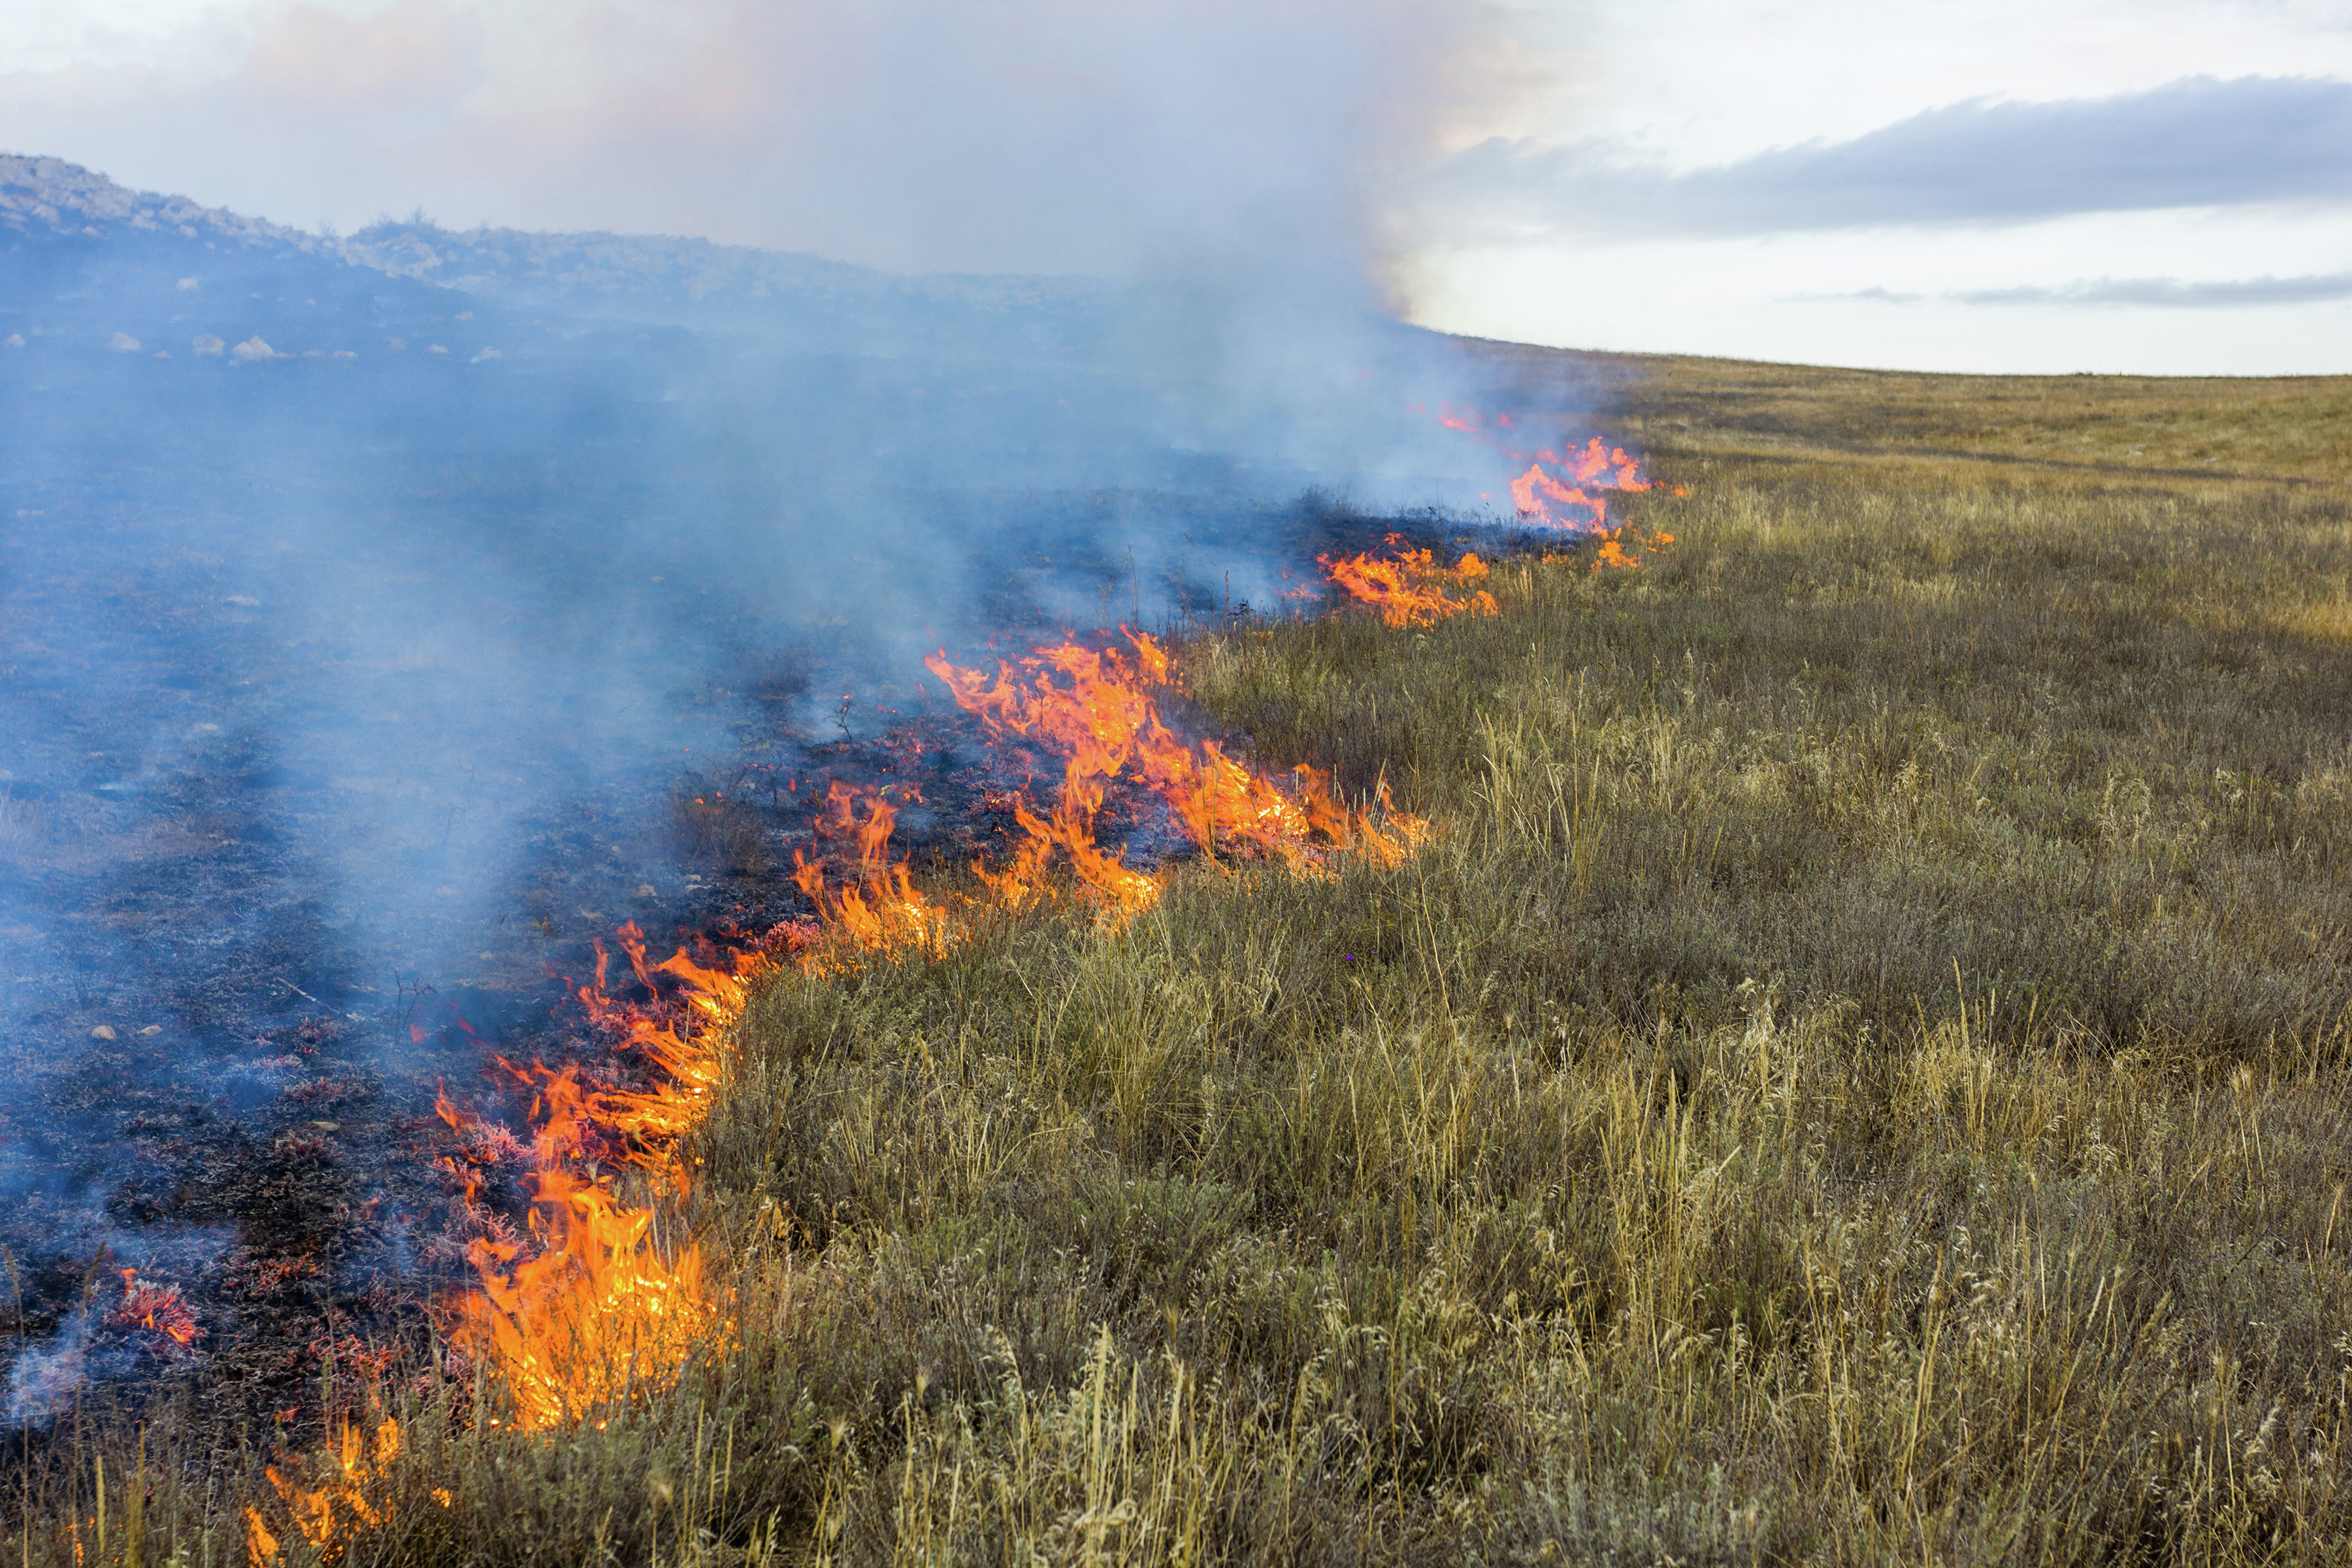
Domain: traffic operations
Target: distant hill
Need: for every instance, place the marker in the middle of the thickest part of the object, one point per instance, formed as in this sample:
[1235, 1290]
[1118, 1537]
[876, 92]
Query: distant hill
[655, 277]
[120, 305]
[48, 196]
[582, 268]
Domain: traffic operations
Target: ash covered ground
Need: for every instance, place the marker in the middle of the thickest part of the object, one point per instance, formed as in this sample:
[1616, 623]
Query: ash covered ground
[369, 644]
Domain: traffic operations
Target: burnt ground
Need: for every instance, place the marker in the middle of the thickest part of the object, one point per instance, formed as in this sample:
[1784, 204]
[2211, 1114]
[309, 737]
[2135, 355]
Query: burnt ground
[347, 696]
[237, 1108]
[223, 1041]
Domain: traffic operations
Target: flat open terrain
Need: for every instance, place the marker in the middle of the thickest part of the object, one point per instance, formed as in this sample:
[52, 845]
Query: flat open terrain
[1858, 1074]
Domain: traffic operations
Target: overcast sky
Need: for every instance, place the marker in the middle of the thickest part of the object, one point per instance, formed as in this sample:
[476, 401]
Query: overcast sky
[2159, 185]
[2067, 184]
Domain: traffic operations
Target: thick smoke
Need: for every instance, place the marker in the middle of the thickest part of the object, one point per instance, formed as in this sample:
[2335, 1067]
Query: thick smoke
[369, 596]
[1036, 136]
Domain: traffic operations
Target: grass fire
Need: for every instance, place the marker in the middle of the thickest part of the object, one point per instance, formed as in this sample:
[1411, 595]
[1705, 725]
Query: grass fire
[1774, 984]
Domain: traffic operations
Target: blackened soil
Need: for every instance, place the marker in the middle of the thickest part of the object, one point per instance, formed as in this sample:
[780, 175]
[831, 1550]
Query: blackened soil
[347, 697]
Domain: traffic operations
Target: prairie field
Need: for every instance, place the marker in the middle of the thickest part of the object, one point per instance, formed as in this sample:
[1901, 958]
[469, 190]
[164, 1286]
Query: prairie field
[1856, 1073]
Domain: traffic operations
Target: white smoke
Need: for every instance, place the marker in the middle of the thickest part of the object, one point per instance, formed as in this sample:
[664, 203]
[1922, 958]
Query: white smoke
[1041, 135]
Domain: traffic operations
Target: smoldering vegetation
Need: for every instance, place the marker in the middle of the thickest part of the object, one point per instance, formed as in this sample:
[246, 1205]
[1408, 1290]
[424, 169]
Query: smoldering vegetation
[387, 617]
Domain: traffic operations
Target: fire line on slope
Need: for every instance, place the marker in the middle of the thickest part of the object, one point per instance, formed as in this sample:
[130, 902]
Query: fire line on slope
[598, 1303]
[602, 1307]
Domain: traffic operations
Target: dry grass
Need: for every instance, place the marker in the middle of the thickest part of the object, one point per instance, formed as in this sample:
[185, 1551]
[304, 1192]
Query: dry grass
[2043, 430]
[1861, 1076]
[715, 828]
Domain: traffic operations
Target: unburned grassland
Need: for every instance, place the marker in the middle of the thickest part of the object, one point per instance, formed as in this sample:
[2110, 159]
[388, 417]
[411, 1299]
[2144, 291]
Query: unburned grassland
[1859, 1075]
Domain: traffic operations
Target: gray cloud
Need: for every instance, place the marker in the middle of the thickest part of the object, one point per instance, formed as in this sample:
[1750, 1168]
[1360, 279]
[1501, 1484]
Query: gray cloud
[2198, 142]
[2170, 293]
[1873, 295]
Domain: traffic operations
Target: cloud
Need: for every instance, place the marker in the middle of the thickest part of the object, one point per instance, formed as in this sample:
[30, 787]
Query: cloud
[2171, 292]
[2194, 142]
[2167, 293]
[1874, 296]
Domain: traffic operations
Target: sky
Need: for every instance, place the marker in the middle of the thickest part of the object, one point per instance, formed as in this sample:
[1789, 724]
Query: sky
[2157, 186]
[2163, 185]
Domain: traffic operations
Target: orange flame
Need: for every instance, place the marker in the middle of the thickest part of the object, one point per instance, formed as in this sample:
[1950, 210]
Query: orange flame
[1577, 479]
[156, 1307]
[1613, 554]
[600, 1309]
[327, 1515]
[597, 1313]
[880, 910]
[1411, 589]
[1595, 470]
[1094, 708]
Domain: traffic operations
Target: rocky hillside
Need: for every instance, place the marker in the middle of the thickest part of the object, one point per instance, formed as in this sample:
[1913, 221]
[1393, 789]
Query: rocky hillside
[48, 196]
[665, 274]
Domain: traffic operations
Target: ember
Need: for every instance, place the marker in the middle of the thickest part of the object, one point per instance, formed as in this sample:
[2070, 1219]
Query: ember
[156, 1309]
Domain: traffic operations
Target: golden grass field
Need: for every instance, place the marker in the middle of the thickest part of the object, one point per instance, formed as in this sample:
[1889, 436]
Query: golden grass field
[1860, 1074]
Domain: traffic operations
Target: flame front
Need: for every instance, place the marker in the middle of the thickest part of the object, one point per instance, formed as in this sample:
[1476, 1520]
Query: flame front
[880, 909]
[1094, 708]
[1409, 589]
[595, 1306]
[1566, 487]
[600, 1309]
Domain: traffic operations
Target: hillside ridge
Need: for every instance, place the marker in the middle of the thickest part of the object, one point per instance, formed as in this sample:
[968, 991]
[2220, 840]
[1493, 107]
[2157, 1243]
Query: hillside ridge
[47, 194]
